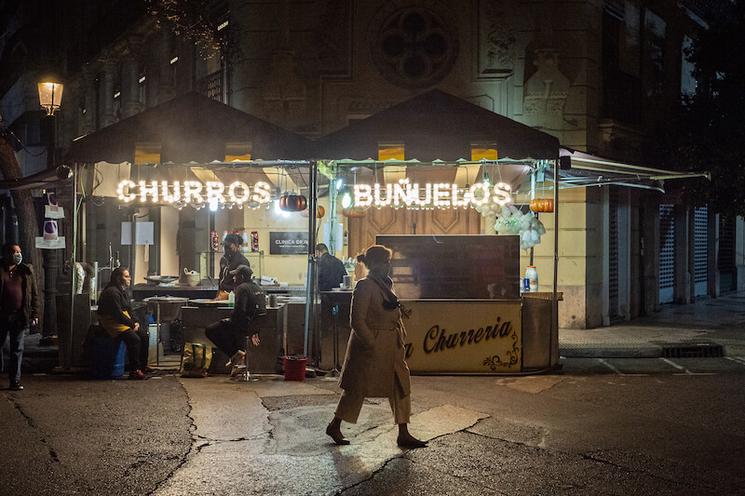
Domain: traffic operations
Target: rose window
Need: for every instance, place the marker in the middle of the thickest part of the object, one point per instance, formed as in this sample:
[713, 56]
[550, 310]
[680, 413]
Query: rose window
[414, 48]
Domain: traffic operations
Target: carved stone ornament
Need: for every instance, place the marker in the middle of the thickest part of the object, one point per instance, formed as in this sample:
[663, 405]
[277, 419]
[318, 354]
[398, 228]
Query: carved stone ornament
[413, 46]
[547, 89]
[496, 38]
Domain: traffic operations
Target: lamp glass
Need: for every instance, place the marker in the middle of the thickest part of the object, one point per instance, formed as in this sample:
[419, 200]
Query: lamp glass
[50, 95]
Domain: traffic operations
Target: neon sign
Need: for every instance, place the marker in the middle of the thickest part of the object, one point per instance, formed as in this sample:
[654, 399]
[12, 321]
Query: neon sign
[195, 193]
[403, 194]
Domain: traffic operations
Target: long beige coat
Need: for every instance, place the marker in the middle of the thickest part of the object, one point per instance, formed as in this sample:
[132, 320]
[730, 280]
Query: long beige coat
[375, 365]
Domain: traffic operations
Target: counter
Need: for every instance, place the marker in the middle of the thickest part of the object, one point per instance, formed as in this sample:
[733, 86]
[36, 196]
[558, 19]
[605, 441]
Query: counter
[460, 336]
[142, 291]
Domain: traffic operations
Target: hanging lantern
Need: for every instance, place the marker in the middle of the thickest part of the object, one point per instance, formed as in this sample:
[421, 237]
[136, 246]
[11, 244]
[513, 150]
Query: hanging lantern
[320, 212]
[542, 205]
[291, 202]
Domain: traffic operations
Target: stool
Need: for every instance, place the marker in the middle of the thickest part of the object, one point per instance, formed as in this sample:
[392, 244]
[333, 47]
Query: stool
[108, 356]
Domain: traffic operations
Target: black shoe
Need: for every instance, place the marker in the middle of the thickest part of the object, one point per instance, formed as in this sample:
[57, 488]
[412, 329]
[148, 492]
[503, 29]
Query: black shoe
[410, 442]
[15, 386]
[336, 435]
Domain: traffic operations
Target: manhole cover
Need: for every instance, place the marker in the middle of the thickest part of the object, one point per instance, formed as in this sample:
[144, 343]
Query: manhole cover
[692, 350]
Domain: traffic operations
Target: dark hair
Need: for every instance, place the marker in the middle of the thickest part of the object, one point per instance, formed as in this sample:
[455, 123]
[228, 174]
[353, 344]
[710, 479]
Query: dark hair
[374, 255]
[8, 248]
[117, 275]
[233, 238]
[322, 247]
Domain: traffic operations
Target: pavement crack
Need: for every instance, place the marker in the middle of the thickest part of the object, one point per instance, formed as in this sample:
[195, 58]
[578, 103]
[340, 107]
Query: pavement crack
[30, 422]
[371, 476]
[185, 457]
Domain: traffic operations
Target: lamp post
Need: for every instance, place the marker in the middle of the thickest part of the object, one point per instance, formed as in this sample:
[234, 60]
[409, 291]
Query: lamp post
[50, 98]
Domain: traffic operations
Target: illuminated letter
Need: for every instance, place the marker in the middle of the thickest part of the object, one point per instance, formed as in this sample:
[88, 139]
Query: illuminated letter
[502, 194]
[440, 194]
[243, 187]
[362, 195]
[454, 193]
[168, 197]
[262, 192]
[151, 190]
[192, 192]
[399, 194]
[214, 192]
[427, 195]
[477, 198]
[123, 190]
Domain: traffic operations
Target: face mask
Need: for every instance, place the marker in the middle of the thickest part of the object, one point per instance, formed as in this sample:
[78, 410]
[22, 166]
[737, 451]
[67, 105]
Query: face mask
[17, 258]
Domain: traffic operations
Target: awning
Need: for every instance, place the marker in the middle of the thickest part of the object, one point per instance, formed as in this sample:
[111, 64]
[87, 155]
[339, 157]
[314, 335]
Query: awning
[189, 128]
[437, 126]
[590, 170]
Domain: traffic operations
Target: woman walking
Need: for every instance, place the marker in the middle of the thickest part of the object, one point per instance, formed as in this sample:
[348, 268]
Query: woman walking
[375, 364]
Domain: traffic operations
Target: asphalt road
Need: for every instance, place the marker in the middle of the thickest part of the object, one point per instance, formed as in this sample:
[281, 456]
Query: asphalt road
[602, 426]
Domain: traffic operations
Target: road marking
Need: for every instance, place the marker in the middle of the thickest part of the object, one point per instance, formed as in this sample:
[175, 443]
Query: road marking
[618, 372]
[685, 370]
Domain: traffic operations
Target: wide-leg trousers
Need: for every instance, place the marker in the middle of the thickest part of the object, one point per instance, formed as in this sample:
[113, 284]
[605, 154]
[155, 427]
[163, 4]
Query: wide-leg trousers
[350, 405]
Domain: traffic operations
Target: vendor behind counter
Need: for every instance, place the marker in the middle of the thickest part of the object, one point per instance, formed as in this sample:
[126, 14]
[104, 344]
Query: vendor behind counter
[230, 261]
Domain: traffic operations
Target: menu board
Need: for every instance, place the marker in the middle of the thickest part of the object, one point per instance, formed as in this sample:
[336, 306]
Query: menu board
[288, 243]
[479, 266]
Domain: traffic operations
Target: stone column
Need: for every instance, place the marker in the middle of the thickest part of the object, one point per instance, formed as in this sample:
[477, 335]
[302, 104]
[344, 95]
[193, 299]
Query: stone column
[713, 249]
[649, 216]
[106, 95]
[682, 275]
[130, 74]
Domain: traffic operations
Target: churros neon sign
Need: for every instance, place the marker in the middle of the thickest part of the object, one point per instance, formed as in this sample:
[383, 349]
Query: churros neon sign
[195, 193]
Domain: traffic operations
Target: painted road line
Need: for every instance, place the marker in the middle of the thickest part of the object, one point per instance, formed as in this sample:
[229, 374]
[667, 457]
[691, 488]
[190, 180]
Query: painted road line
[685, 370]
[618, 372]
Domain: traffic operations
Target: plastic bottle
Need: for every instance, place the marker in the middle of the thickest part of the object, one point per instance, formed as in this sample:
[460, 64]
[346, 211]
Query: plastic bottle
[231, 299]
[531, 274]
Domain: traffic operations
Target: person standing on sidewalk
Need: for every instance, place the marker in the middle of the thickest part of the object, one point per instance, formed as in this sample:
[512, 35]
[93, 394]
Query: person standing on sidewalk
[115, 316]
[375, 364]
[19, 308]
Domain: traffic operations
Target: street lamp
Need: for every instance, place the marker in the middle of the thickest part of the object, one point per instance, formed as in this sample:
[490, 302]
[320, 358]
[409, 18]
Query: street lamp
[50, 95]
[50, 99]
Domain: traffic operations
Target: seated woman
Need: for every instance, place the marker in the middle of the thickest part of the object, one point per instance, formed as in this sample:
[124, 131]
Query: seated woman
[115, 316]
[229, 335]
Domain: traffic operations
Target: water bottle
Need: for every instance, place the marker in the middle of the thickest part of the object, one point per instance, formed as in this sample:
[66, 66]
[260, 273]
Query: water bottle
[531, 274]
[231, 299]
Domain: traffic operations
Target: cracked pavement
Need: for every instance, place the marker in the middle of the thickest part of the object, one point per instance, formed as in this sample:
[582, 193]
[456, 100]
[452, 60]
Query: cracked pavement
[571, 433]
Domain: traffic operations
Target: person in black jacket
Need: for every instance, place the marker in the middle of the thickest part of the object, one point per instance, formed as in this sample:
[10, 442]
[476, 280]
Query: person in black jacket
[115, 316]
[19, 308]
[230, 334]
[331, 270]
[230, 261]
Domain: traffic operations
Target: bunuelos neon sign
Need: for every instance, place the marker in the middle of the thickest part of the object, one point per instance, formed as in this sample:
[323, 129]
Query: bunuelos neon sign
[404, 194]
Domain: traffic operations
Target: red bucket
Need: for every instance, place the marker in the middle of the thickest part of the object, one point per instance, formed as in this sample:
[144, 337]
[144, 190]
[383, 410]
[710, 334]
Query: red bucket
[294, 368]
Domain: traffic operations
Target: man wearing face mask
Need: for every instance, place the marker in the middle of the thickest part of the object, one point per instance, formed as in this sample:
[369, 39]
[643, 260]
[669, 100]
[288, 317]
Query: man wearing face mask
[231, 260]
[19, 308]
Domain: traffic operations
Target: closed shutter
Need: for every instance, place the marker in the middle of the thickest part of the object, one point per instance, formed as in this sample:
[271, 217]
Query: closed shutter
[613, 312]
[667, 253]
[726, 262]
[701, 250]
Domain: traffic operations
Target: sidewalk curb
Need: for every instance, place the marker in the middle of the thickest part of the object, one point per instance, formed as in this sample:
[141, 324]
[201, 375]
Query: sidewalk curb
[611, 352]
